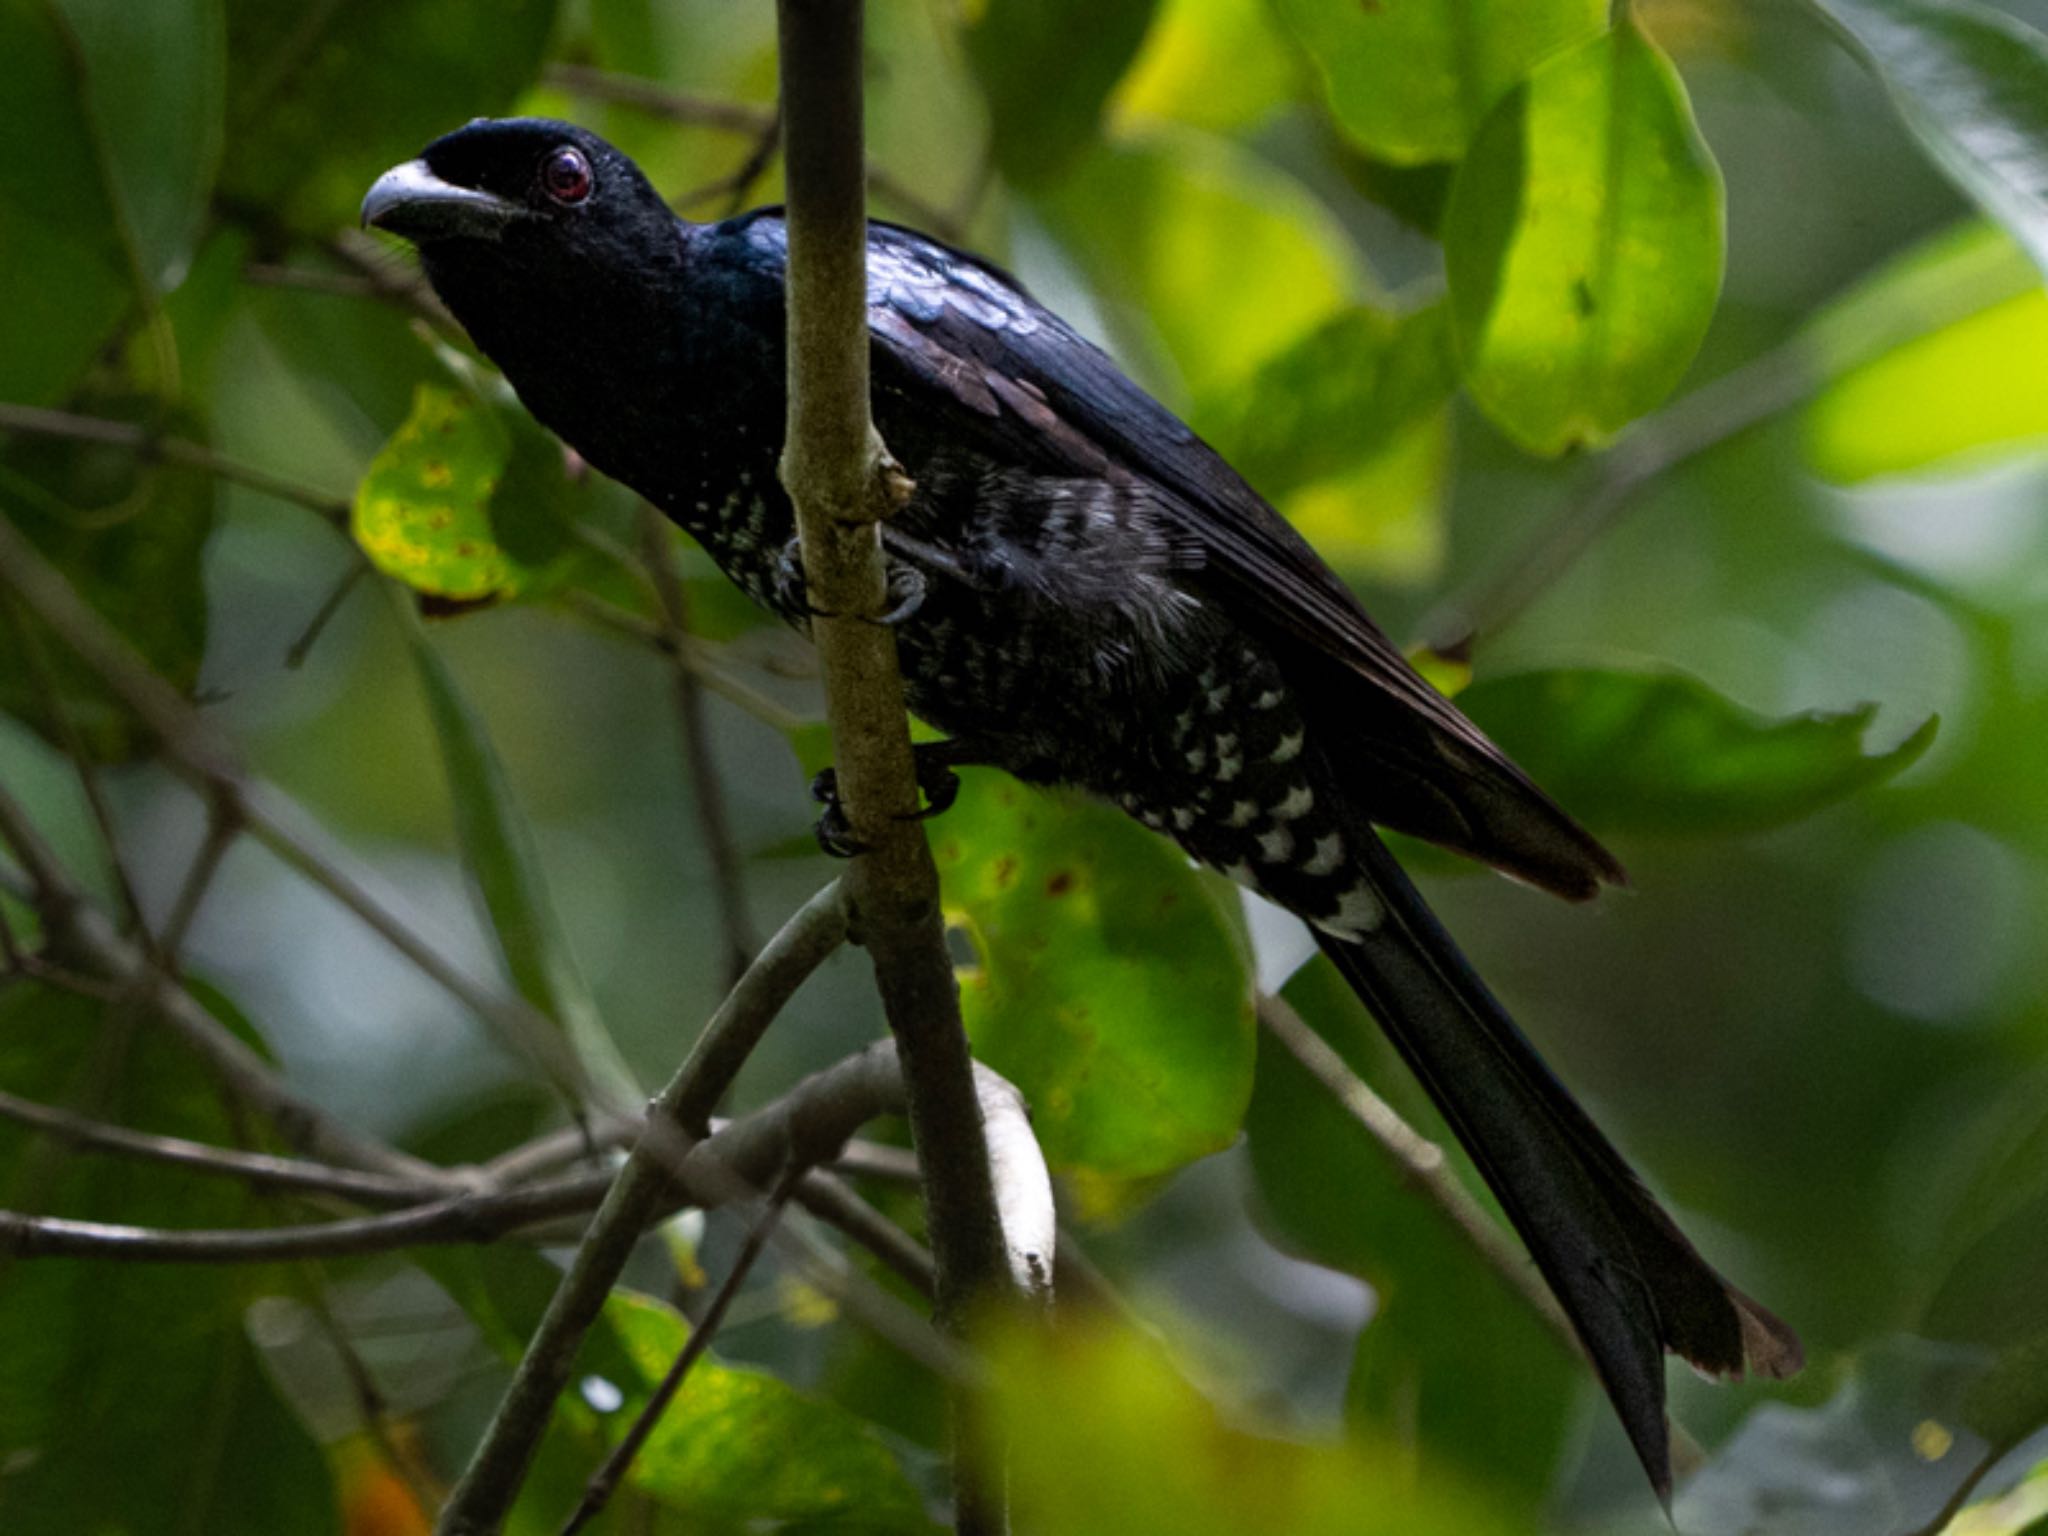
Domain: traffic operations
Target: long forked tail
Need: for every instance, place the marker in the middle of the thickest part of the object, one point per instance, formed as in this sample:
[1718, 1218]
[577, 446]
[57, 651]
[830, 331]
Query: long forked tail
[1631, 1283]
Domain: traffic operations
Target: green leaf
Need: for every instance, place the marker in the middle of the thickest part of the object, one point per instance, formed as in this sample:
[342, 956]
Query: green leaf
[1047, 67]
[740, 1444]
[154, 78]
[1935, 362]
[1411, 80]
[1660, 753]
[1972, 85]
[1214, 64]
[131, 1389]
[1452, 1365]
[60, 235]
[130, 536]
[1209, 260]
[1583, 245]
[463, 503]
[1105, 1438]
[1110, 989]
[322, 99]
[499, 852]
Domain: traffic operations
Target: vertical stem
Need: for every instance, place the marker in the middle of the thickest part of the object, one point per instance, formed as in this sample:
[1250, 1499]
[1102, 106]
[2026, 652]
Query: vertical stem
[842, 483]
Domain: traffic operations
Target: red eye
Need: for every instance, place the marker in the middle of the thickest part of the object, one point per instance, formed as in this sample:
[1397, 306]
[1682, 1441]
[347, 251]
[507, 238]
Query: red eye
[565, 175]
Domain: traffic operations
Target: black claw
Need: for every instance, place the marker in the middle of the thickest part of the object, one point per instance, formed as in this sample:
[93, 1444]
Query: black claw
[941, 786]
[835, 834]
[906, 594]
[825, 787]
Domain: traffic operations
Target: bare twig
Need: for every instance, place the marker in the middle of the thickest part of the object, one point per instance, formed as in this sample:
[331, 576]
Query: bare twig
[598, 1491]
[707, 789]
[1420, 1162]
[257, 1168]
[36, 422]
[702, 660]
[489, 1484]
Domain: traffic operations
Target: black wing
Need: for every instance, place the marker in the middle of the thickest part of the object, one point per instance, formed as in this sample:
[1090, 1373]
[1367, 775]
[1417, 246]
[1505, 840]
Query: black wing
[1037, 393]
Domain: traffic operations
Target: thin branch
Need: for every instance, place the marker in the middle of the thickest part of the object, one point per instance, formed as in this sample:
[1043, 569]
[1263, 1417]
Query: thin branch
[707, 788]
[490, 1483]
[33, 421]
[700, 658]
[597, 1492]
[1419, 1161]
[842, 484]
[257, 1168]
[1961, 1494]
[736, 117]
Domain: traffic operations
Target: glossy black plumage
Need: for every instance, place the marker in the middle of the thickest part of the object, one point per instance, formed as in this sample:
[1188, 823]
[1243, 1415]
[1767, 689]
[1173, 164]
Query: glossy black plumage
[1107, 605]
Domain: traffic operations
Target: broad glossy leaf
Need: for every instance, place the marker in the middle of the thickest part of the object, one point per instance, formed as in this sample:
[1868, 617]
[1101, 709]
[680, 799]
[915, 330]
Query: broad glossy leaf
[503, 861]
[1209, 260]
[1936, 354]
[62, 262]
[1452, 1364]
[462, 502]
[323, 99]
[1660, 753]
[1583, 243]
[1972, 84]
[1109, 988]
[130, 537]
[1106, 1438]
[1047, 67]
[1411, 80]
[154, 78]
[131, 1389]
[739, 1443]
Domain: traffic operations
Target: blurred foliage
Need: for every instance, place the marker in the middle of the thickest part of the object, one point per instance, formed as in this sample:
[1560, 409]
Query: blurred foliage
[1438, 276]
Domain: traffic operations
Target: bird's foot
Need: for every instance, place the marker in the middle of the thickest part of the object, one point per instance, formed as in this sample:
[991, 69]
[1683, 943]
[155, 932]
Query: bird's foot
[935, 777]
[906, 592]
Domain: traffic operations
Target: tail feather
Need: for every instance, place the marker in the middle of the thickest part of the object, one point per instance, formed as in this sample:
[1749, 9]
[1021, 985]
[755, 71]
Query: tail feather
[1628, 1279]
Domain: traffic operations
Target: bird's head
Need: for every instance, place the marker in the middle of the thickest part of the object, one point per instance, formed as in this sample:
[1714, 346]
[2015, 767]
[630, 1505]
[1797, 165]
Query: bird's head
[523, 211]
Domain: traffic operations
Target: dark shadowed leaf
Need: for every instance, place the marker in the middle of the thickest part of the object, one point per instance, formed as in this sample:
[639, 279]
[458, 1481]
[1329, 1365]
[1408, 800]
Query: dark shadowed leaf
[1047, 67]
[1453, 1364]
[1411, 80]
[1109, 988]
[130, 537]
[1660, 753]
[323, 98]
[499, 851]
[1972, 84]
[131, 1389]
[1583, 244]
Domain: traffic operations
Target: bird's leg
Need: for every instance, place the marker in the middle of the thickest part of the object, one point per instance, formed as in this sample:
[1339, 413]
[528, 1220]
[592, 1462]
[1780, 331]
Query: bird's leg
[907, 584]
[935, 762]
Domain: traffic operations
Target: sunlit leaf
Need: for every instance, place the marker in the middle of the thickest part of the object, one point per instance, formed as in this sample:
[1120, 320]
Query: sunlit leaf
[1583, 244]
[1046, 67]
[1972, 84]
[1215, 64]
[1660, 753]
[1936, 352]
[1109, 988]
[130, 537]
[1105, 1438]
[1453, 1364]
[499, 852]
[1411, 80]
[131, 1389]
[463, 503]
[1209, 261]
[322, 99]
[739, 1443]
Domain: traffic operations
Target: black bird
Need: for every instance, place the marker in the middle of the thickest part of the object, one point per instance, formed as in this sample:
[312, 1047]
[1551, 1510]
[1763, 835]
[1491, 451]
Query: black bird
[1105, 604]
